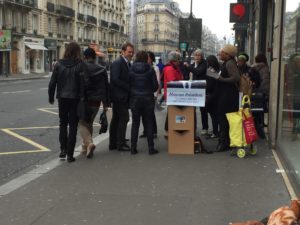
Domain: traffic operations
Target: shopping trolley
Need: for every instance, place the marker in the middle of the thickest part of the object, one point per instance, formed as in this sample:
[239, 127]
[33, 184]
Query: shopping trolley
[242, 131]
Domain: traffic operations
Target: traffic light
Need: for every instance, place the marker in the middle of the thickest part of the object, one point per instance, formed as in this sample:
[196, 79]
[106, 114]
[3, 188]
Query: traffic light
[239, 13]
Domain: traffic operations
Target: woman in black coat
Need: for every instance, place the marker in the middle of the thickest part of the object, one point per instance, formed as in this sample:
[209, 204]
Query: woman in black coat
[227, 99]
[143, 85]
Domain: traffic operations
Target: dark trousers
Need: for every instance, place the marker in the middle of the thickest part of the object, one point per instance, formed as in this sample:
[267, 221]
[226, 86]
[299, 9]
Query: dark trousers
[118, 124]
[224, 139]
[214, 121]
[204, 118]
[142, 107]
[67, 109]
[154, 124]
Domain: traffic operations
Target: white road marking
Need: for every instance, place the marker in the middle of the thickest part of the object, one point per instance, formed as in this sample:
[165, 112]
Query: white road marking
[15, 92]
[43, 169]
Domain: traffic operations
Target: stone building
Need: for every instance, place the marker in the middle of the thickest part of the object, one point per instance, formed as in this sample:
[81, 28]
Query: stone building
[35, 32]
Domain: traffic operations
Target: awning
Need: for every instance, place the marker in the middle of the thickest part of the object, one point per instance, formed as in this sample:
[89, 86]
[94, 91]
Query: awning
[36, 47]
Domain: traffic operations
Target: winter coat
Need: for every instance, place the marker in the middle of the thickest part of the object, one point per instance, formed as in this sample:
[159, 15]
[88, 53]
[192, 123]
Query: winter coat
[228, 94]
[65, 79]
[264, 74]
[171, 73]
[142, 80]
[199, 73]
[97, 88]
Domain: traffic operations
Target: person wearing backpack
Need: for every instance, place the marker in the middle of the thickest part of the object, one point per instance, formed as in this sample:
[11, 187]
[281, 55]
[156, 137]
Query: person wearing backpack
[261, 66]
[250, 79]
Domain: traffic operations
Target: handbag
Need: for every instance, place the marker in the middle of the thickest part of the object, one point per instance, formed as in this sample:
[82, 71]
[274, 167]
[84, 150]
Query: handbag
[249, 128]
[104, 123]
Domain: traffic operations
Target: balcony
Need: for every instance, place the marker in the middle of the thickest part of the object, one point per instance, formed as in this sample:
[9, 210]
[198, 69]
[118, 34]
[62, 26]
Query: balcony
[156, 30]
[104, 23]
[91, 19]
[26, 3]
[50, 7]
[65, 11]
[80, 17]
[114, 26]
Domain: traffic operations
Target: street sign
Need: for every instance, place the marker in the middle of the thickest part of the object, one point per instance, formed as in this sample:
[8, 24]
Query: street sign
[183, 46]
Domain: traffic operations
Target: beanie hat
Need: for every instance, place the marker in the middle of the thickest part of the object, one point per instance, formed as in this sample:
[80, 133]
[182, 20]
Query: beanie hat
[89, 53]
[243, 56]
[230, 50]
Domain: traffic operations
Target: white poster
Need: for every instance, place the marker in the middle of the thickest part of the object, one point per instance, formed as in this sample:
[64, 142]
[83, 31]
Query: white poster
[185, 95]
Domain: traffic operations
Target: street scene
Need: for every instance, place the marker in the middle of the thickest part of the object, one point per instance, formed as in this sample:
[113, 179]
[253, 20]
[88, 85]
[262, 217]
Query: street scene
[149, 112]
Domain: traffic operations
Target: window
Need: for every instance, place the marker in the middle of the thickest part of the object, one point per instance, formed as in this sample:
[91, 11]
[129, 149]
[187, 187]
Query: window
[49, 25]
[1, 18]
[156, 18]
[289, 122]
[156, 37]
[35, 23]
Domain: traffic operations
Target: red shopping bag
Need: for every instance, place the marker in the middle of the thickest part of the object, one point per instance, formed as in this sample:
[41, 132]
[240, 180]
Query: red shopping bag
[249, 129]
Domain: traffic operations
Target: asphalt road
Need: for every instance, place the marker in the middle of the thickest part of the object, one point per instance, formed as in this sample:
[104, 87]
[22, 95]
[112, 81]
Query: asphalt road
[28, 127]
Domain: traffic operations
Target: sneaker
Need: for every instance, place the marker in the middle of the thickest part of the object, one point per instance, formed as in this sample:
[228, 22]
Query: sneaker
[90, 150]
[204, 132]
[213, 136]
[62, 154]
[142, 135]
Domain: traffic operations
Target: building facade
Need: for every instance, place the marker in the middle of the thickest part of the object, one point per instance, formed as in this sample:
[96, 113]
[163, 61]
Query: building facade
[157, 26]
[274, 29]
[38, 31]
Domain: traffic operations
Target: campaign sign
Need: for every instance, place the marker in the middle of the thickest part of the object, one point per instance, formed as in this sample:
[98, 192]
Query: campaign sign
[186, 93]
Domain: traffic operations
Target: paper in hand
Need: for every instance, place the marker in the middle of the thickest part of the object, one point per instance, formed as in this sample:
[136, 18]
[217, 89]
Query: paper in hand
[212, 73]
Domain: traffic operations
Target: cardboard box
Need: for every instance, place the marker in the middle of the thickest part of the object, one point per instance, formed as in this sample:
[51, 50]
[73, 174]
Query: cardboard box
[181, 130]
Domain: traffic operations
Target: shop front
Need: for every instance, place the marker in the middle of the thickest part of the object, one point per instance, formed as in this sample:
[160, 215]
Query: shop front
[5, 48]
[33, 55]
[51, 54]
[288, 135]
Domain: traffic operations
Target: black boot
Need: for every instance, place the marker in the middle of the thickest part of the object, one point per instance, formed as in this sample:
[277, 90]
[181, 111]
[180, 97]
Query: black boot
[62, 154]
[152, 151]
[133, 151]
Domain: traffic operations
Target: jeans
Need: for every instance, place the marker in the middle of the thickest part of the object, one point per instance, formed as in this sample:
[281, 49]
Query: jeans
[67, 110]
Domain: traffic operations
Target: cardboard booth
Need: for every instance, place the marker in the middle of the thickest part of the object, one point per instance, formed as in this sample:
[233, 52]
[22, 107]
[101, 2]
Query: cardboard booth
[182, 98]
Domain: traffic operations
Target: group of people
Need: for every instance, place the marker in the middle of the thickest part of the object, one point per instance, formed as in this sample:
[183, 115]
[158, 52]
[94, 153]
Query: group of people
[79, 80]
[222, 87]
[136, 86]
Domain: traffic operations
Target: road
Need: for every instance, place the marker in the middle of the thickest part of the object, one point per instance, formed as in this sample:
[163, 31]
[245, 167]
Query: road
[28, 127]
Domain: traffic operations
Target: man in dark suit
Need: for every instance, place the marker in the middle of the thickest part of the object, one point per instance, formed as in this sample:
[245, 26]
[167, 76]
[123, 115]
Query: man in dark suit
[119, 84]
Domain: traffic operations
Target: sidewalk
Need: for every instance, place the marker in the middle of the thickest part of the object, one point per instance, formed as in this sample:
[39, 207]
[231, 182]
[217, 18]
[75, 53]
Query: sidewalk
[116, 188]
[14, 77]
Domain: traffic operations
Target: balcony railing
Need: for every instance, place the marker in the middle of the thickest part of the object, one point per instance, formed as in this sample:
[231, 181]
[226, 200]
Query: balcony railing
[114, 26]
[80, 17]
[91, 19]
[50, 7]
[65, 11]
[28, 3]
[104, 23]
